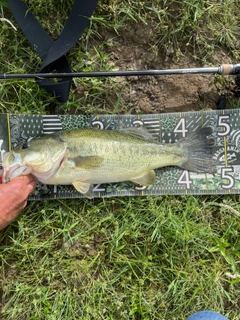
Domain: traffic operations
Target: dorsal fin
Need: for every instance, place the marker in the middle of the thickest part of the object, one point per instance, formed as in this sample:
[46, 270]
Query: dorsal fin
[139, 132]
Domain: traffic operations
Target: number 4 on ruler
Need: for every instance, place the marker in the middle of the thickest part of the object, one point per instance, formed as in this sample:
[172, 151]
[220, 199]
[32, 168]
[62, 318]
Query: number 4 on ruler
[185, 179]
[181, 127]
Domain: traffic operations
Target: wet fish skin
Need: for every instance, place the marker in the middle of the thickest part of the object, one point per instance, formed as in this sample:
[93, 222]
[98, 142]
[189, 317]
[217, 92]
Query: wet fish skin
[83, 157]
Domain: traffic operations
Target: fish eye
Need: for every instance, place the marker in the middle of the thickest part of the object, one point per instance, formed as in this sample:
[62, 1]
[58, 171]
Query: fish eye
[25, 145]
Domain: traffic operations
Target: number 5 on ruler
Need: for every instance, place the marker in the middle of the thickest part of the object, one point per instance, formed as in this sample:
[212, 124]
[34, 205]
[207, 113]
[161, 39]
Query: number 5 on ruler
[226, 174]
[225, 125]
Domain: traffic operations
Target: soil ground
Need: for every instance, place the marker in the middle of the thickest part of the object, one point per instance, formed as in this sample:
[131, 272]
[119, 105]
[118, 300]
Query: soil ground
[134, 49]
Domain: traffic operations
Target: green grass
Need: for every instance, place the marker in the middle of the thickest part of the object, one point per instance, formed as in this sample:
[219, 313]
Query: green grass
[189, 27]
[126, 258]
[122, 258]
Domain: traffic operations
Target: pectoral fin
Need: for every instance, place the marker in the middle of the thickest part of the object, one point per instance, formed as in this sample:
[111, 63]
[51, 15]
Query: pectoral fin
[84, 188]
[147, 178]
[90, 162]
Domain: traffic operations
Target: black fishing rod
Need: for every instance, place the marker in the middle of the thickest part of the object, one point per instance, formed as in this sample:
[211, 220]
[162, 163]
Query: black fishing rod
[224, 69]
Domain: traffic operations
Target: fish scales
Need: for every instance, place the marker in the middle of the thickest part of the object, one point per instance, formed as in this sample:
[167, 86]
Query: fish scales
[119, 149]
[84, 157]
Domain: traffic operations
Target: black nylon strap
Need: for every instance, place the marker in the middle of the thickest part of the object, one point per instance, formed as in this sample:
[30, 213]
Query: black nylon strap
[53, 52]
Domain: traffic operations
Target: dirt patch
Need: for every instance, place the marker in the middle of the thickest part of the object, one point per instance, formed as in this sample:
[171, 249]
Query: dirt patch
[135, 49]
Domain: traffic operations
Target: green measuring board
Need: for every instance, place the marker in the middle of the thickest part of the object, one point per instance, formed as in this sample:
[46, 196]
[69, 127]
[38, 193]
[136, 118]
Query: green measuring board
[166, 128]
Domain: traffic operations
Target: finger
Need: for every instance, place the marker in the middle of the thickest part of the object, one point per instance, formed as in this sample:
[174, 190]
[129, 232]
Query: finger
[7, 216]
[22, 184]
[24, 192]
[22, 180]
[31, 186]
[19, 187]
[24, 203]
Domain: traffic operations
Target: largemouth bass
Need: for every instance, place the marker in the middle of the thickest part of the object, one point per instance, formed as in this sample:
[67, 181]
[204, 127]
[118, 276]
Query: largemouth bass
[84, 157]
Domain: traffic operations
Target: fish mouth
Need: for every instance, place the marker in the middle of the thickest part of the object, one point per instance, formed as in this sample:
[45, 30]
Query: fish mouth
[15, 171]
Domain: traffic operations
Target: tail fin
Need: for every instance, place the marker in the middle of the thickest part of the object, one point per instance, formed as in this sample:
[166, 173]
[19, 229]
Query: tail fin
[198, 150]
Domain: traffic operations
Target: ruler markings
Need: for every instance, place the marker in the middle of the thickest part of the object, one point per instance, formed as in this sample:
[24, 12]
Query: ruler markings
[202, 183]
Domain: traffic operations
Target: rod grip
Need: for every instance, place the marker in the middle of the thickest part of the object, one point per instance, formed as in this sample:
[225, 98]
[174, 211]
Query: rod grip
[226, 69]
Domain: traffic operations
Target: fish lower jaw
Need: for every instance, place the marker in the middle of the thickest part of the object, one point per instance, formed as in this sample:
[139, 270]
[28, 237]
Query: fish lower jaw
[8, 172]
[15, 171]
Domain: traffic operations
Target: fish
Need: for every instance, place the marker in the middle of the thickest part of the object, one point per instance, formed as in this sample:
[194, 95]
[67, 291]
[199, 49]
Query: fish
[84, 157]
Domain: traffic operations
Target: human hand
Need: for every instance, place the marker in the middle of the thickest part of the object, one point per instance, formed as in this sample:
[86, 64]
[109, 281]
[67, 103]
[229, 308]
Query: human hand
[13, 198]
